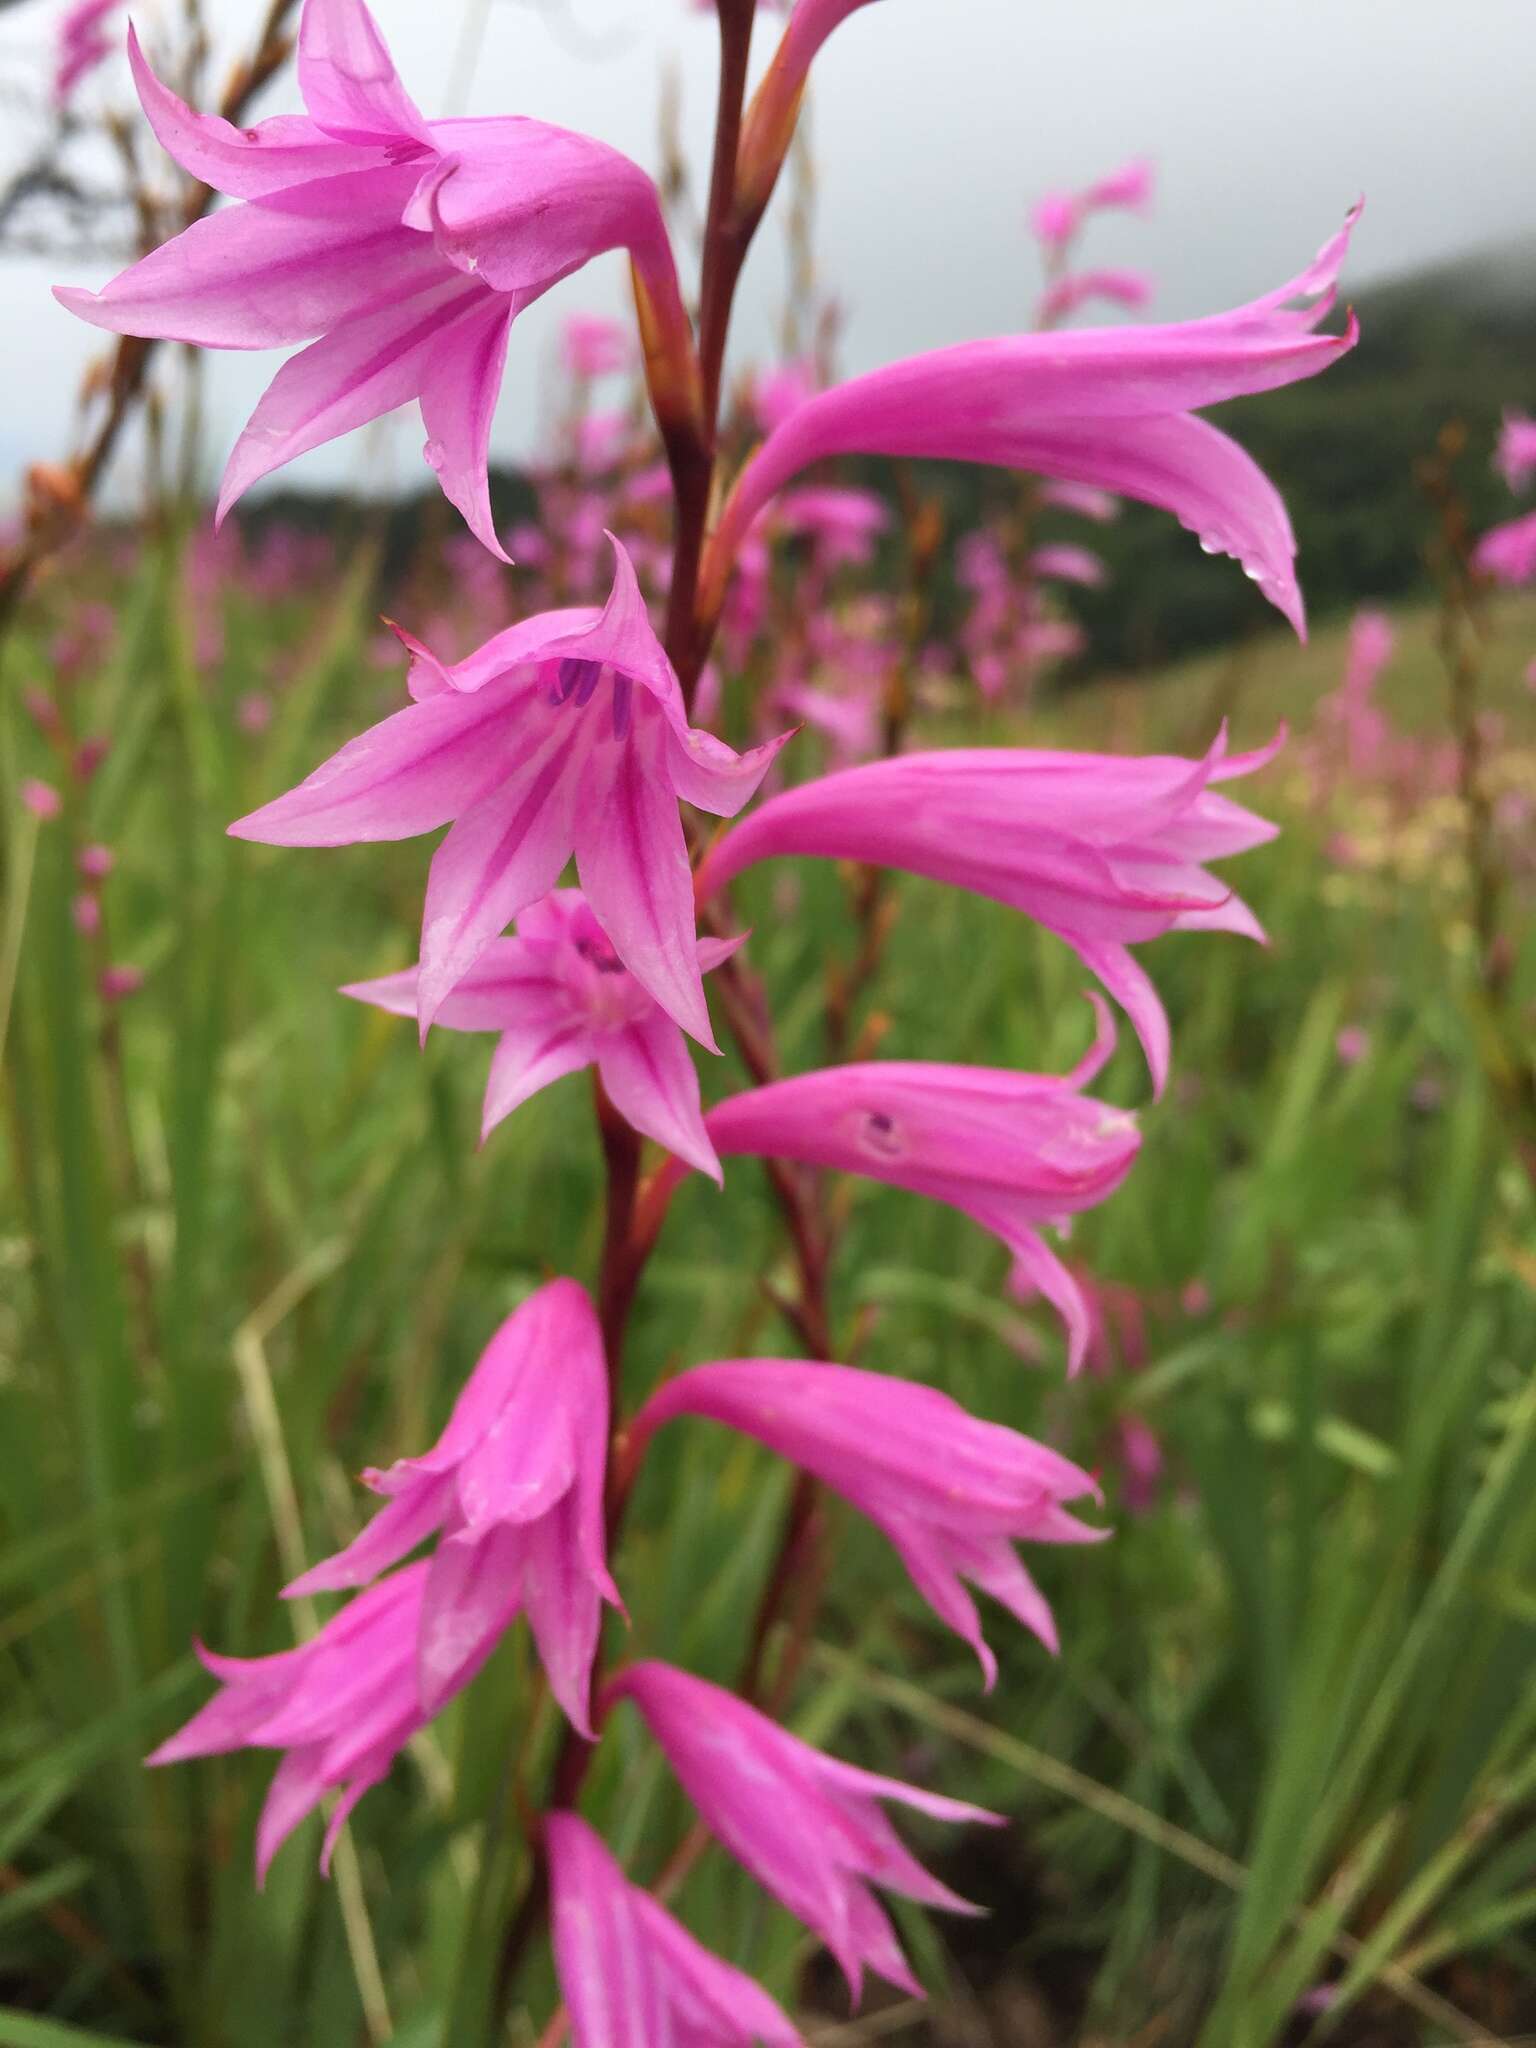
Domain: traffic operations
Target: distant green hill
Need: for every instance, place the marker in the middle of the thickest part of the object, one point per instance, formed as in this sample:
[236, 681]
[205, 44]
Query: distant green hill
[1458, 342]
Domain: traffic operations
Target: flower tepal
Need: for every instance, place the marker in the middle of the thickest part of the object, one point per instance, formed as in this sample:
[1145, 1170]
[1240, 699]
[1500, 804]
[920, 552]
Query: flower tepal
[631, 1975]
[400, 249]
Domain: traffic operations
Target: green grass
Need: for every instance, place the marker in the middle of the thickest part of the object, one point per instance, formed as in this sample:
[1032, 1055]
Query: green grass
[248, 1244]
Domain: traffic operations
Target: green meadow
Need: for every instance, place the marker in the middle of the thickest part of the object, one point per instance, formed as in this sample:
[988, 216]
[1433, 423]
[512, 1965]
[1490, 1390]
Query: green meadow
[1280, 1784]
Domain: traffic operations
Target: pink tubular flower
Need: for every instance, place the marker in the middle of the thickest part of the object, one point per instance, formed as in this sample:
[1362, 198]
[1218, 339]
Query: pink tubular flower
[342, 1705]
[844, 525]
[951, 1493]
[1516, 457]
[1083, 499]
[1508, 553]
[1104, 851]
[1130, 185]
[807, 1827]
[594, 347]
[117, 984]
[561, 1000]
[82, 45]
[1055, 220]
[1111, 407]
[1068, 563]
[1130, 288]
[40, 798]
[515, 1486]
[630, 1975]
[564, 733]
[407, 246]
[1011, 1151]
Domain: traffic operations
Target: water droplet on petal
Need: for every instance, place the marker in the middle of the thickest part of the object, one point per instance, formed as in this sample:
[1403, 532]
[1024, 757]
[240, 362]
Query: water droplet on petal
[435, 454]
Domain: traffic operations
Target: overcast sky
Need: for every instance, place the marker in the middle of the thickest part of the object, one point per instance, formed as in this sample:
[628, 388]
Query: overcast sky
[936, 124]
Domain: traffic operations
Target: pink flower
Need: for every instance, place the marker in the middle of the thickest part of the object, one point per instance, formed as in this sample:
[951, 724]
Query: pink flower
[1083, 499]
[1104, 851]
[951, 1493]
[1110, 407]
[117, 984]
[1516, 457]
[594, 347]
[1130, 288]
[538, 745]
[1371, 645]
[561, 1001]
[342, 1706]
[1508, 553]
[85, 909]
[1352, 1044]
[807, 1827]
[1068, 564]
[631, 1976]
[40, 798]
[82, 44]
[514, 1486]
[95, 862]
[1130, 185]
[844, 525]
[779, 392]
[1011, 1151]
[407, 246]
[1055, 220]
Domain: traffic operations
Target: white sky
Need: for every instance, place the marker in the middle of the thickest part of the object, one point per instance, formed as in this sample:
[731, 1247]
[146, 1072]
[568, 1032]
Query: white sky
[936, 123]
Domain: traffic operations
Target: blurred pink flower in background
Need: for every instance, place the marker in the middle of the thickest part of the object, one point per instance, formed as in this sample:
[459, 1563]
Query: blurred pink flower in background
[40, 798]
[1516, 456]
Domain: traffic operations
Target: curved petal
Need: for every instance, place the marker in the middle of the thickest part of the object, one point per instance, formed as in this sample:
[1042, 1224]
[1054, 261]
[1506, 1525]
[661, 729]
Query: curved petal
[633, 863]
[297, 1788]
[652, 1082]
[410, 773]
[1133, 990]
[460, 384]
[508, 985]
[366, 367]
[393, 1531]
[504, 852]
[348, 78]
[564, 1611]
[1039, 1270]
[246, 163]
[268, 275]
